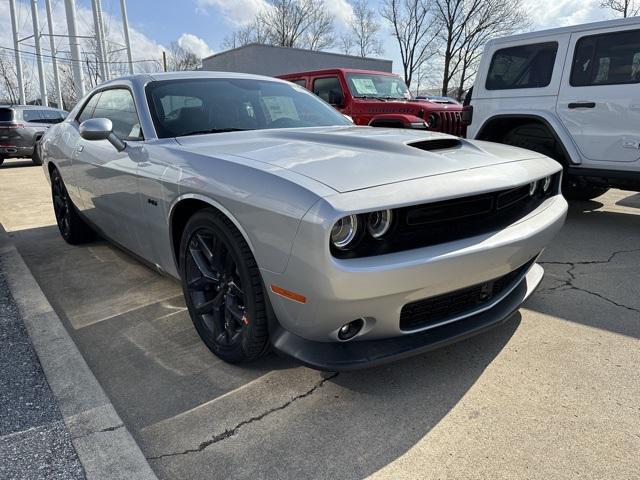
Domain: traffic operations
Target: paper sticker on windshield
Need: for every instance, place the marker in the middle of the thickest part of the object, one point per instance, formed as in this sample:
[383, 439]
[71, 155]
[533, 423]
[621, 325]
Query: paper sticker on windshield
[365, 86]
[280, 107]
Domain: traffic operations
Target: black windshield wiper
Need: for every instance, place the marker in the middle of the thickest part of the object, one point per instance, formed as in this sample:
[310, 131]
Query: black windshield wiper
[372, 97]
[214, 130]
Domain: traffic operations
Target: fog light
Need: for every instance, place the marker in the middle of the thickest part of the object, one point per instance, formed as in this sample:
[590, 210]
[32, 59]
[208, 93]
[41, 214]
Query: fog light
[351, 329]
[546, 184]
[533, 186]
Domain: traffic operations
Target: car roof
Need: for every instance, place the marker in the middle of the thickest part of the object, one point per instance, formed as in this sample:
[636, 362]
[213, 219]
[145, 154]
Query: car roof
[335, 70]
[142, 78]
[619, 22]
[30, 107]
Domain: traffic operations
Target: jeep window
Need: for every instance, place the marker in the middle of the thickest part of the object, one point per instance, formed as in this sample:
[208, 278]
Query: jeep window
[227, 104]
[329, 90]
[607, 59]
[525, 66]
[32, 116]
[6, 114]
[301, 83]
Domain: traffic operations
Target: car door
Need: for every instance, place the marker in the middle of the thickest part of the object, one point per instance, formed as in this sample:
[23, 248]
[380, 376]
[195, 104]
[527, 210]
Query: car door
[599, 100]
[106, 177]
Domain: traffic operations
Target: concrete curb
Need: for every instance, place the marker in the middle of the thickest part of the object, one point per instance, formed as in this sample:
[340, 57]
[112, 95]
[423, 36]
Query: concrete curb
[103, 443]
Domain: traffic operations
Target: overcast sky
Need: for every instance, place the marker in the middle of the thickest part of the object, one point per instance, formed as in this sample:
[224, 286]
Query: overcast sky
[201, 25]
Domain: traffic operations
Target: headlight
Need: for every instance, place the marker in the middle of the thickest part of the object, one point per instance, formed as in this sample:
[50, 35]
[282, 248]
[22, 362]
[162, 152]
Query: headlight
[546, 183]
[344, 232]
[378, 223]
[533, 186]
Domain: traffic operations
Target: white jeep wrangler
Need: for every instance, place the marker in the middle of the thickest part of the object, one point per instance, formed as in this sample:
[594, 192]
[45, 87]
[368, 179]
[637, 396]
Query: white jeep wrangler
[571, 93]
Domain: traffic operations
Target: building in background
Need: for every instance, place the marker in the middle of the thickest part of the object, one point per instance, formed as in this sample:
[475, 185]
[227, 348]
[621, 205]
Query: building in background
[271, 60]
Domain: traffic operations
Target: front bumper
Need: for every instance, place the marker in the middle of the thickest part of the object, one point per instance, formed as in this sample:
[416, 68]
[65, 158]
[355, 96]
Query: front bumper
[341, 356]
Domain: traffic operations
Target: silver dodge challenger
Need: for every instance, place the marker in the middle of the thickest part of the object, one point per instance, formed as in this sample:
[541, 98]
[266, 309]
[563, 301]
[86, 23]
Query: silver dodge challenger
[290, 228]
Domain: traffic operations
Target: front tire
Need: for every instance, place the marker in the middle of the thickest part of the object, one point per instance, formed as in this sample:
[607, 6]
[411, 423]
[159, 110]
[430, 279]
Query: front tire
[223, 288]
[572, 189]
[72, 227]
[1, 161]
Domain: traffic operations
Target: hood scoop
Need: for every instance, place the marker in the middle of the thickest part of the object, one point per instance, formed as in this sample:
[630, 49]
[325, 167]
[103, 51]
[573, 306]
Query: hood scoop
[437, 144]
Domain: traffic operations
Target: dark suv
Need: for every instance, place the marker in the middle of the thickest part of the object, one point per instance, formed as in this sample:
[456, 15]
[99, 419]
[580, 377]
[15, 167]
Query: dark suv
[21, 126]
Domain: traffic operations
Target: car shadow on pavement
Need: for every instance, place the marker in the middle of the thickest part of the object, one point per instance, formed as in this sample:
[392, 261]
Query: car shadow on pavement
[592, 269]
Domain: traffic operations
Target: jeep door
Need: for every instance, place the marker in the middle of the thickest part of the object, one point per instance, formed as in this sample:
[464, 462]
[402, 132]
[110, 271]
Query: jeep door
[599, 100]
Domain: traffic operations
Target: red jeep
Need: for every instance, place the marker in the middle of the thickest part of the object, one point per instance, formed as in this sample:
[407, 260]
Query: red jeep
[379, 99]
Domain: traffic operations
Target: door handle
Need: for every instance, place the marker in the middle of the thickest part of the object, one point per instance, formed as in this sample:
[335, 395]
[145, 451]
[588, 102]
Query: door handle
[573, 105]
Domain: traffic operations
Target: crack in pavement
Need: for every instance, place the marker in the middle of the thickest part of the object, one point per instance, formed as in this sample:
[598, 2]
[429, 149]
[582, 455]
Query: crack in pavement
[569, 285]
[230, 432]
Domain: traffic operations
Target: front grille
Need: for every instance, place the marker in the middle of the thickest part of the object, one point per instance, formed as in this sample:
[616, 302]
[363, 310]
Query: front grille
[432, 311]
[450, 122]
[429, 224]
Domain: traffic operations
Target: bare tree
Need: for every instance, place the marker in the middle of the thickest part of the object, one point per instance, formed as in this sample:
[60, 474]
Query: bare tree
[9, 79]
[416, 33]
[288, 23]
[362, 31]
[179, 59]
[466, 27]
[252, 33]
[628, 8]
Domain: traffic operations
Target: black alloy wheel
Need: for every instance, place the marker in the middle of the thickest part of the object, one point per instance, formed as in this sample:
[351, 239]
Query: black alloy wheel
[223, 289]
[72, 227]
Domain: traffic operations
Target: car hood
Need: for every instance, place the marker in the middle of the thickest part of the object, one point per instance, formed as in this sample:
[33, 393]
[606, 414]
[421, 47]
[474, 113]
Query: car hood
[353, 158]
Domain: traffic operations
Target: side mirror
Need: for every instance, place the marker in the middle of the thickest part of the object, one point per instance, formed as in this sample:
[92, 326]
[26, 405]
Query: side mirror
[101, 129]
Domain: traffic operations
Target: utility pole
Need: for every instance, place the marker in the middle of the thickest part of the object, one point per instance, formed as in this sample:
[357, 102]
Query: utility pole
[97, 26]
[127, 42]
[164, 60]
[70, 7]
[105, 51]
[56, 76]
[16, 47]
[36, 36]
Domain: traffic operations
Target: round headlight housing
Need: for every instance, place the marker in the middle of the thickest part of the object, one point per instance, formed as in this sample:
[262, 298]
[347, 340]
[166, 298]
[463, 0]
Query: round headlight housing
[546, 183]
[345, 232]
[432, 120]
[533, 186]
[379, 223]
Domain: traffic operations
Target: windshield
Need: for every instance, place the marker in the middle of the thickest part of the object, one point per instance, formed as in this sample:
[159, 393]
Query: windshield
[369, 85]
[212, 105]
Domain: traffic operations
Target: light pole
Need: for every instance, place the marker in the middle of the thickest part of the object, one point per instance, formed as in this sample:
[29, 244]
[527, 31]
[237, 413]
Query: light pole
[16, 47]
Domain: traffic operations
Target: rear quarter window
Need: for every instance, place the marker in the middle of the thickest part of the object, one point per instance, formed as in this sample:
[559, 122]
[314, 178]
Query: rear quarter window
[607, 59]
[524, 66]
[6, 114]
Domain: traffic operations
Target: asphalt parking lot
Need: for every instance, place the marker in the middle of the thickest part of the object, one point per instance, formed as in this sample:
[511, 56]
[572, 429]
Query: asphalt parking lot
[553, 393]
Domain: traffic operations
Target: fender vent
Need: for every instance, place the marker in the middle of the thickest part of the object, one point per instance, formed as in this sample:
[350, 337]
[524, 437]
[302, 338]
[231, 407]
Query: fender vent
[437, 144]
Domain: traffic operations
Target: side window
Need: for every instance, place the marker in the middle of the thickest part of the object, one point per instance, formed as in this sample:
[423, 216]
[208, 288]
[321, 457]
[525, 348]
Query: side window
[87, 111]
[329, 90]
[524, 66]
[117, 105]
[302, 82]
[608, 59]
[32, 116]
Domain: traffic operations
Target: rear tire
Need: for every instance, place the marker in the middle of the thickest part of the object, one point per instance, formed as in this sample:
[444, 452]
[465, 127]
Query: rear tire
[72, 227]
[223, 288]
[1, 161]
[572, 189]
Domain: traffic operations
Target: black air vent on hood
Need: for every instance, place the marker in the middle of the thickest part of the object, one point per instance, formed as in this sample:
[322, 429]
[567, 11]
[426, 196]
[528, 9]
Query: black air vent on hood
[437, 144]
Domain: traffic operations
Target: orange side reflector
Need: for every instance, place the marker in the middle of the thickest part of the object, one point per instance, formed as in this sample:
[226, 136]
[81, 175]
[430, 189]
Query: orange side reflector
[296, 297]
